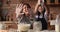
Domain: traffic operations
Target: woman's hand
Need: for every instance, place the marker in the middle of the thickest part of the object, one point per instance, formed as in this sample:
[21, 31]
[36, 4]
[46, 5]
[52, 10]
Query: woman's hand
[18, 9]
[36, 7]
[26, 13]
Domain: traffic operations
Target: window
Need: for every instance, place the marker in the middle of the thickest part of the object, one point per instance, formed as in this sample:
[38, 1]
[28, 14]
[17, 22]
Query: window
[52, 1]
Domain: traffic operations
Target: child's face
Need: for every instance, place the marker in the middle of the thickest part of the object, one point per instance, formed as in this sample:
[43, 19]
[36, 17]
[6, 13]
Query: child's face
[40, 9]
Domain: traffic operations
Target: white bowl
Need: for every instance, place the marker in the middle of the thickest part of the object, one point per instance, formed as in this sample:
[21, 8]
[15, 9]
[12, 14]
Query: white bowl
[23, 27]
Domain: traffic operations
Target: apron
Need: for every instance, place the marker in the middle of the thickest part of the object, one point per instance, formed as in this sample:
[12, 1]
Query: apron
[40, 17]
[44, 23]
[25, 20]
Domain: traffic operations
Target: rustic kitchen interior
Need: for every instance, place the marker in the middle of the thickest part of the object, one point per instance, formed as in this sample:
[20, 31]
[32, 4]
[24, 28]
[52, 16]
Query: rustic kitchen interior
[8, 19]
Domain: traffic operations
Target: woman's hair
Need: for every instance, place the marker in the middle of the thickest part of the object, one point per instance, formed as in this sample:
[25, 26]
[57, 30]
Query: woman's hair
[41, 7]
[28, 6]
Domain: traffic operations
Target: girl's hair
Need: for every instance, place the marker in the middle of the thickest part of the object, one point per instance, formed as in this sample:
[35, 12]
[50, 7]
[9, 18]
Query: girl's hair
[28, 6]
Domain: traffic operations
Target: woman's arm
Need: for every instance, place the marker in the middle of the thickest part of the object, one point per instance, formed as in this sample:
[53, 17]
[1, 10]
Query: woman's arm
[36, 8]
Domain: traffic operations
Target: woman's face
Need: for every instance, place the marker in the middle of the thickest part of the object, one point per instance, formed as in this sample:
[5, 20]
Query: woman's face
[40, 9]
[25, 10]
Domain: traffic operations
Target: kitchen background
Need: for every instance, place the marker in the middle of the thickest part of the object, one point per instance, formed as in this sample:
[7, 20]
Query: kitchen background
[7, 11]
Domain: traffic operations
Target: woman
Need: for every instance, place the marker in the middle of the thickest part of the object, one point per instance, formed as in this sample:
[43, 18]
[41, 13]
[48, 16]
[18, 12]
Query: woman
[40, 16]
[25, 14]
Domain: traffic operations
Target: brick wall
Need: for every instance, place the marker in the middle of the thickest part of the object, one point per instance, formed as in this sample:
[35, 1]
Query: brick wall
[54, 11]
[12, 5]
